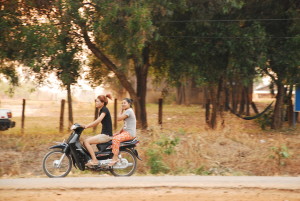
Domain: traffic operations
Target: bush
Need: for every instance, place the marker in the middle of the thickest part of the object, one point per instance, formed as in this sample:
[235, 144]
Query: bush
[265, 120]
[155, 162]
[164, 145]
[281, 153]
[202, 171]
[168, 144]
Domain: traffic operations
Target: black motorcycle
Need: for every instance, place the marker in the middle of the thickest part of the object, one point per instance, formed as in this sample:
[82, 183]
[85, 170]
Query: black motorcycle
[58, 162]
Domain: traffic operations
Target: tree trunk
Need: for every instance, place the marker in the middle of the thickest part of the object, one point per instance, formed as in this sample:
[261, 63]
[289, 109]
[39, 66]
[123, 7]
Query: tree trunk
[247, 103]
[220, 99]
[188, 90]
[207, 106]
[249, 97]
[234, 95]
[70, 110]
[277, 118]
[141, 71]
[227, 98]
[242, 101]
[184, 92]
[246, 99]
[213, 118]
[254, 108]
[215, 98]
[180, 94]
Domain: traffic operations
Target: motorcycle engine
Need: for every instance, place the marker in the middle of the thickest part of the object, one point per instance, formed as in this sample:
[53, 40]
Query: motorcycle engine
[120, 165]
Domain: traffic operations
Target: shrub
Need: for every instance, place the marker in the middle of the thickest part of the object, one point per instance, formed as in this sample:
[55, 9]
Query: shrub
[168, 144]
[265, 120]
[155, 162]
[280, 154]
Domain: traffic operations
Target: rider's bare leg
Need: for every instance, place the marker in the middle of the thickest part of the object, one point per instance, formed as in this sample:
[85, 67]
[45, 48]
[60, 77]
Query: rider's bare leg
[88, 144]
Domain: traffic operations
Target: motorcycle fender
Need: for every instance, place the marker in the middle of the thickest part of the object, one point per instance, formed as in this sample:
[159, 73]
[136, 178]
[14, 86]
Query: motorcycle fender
[136, 154]
[59, 146]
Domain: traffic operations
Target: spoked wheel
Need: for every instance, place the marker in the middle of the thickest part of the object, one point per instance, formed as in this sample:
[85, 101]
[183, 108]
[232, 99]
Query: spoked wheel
[57, 164]
[127, 166]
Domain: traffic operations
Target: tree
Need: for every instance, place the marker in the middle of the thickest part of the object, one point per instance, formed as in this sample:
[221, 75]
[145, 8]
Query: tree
[19, 38]
[120, 35]
[215, 44]
[65, 61]
[212, 51]
[10, 28]
[282, 48]
[45, 45]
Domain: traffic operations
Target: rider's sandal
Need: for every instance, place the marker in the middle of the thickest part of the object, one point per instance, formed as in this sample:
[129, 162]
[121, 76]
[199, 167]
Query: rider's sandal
[91, 163]
[112, 163]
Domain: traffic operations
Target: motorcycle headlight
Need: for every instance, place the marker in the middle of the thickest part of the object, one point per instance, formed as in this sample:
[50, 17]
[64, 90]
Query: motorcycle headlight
[73, 127]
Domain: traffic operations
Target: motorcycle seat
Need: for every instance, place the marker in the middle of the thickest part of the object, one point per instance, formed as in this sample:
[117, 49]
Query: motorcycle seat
[124, 142]
[103, 146]
[129, 141]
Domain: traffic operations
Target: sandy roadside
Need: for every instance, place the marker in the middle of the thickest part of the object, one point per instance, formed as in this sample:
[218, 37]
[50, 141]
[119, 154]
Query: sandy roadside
[152, 188]
[151, 194]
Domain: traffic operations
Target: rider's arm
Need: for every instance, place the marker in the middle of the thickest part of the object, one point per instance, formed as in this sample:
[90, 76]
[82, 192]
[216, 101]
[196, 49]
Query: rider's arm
[96, 122]
[121, 116]
[118, 132]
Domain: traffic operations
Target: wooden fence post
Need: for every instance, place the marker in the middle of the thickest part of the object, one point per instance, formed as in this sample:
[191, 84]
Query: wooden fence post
[160, 103]
[23, 116]
[61, 118]
[115, 113]
[95, 117]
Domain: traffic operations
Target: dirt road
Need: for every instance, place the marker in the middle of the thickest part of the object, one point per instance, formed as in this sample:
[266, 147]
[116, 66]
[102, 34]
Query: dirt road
[148, 188]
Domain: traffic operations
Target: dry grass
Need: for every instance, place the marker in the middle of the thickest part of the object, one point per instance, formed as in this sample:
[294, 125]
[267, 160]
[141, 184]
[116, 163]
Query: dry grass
[238, 148]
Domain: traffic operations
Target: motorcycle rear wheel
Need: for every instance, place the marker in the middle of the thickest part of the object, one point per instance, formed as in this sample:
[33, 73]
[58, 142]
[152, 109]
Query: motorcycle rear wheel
[131, 158]
[51, 167]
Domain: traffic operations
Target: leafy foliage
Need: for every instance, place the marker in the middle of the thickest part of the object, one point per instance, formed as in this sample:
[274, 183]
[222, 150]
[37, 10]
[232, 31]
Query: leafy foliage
[168, 144]
[265, 120]
[281, 153]
[155, 162]
[163, 146]
[209, 42]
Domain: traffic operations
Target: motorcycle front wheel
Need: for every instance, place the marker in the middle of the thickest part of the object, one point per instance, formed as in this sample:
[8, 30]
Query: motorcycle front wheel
[128, 160]
[57, 164]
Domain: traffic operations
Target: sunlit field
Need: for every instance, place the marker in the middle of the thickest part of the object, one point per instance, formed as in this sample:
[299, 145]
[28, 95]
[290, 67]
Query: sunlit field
[42, 117]
[182, 145]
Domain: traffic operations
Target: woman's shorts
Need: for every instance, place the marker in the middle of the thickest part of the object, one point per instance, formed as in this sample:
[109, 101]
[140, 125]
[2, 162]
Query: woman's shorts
[104, 138]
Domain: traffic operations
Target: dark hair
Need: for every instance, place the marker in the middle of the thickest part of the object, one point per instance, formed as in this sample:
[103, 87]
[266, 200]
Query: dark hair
[129, 100]
[103, 98]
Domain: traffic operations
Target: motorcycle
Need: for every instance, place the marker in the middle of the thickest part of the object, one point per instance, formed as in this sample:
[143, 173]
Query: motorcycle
[58, 162]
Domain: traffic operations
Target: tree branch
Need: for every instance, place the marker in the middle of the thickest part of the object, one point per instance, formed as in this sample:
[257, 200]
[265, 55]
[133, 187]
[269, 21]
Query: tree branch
[269, 74]
[108, 63]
